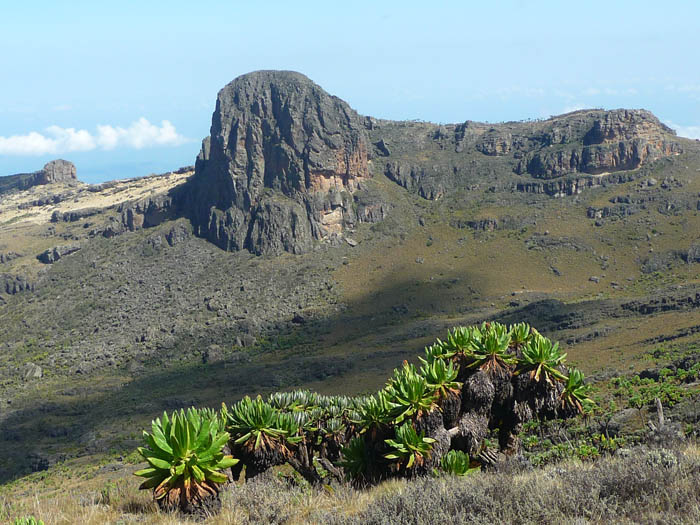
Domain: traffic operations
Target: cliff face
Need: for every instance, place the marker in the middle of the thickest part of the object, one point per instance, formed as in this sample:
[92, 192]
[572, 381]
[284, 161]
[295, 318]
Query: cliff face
[56, 171]
[285, 160]
[598, 142]
[280, 167]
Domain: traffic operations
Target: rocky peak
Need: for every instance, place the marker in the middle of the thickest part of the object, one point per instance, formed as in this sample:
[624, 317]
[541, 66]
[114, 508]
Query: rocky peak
[280, 166]
[57, 171]
[625, 124]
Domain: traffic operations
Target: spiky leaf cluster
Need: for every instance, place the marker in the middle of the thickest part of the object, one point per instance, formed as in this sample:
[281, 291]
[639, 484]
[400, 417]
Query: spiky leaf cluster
[185, 457]
[409, 447]
[28, 520]
[376, 412]
[520, 333]
[490, 349]
[409, 393]
[457, 463]
[459, 341]
[441, 376]
[254, 423]
[541, 358]
[357, 459]
[575, 392]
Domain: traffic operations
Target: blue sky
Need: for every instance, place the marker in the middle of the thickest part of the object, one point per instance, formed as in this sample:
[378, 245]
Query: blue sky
[148, 72]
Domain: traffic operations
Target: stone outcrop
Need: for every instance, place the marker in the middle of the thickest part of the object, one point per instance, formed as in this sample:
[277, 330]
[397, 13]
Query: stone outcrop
[55, 171]
[14, 284]
[280, 168]
[572, 185]
[9, 256]
[693, 255]
[429, 182]
[287, 164]
[54, 254]
[74, 215]
[149, 212]
[597, 142]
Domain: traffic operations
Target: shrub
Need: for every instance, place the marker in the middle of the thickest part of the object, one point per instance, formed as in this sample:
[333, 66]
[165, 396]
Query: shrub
[29, 520]
[185, 454]
[457, 463]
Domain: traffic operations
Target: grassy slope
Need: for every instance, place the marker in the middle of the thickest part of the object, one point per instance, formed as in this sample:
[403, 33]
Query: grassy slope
[648, 487]
[393, 306]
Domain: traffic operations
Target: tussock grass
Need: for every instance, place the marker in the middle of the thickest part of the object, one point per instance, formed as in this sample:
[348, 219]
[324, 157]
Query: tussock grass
[643, 486]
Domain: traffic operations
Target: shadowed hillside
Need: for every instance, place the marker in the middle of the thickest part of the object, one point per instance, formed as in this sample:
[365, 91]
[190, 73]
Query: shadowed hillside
[312, 246]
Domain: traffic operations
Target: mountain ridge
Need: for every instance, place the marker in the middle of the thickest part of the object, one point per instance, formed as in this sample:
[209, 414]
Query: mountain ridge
[277, 130]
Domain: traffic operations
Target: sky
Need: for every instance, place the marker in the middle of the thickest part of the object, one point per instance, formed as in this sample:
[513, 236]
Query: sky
[127, 88]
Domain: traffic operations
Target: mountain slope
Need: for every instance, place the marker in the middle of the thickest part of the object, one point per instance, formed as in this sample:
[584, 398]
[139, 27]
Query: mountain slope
[348, 243]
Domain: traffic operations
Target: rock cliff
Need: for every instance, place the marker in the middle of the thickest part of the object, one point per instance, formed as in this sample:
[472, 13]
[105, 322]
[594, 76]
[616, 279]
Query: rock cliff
[597, 142]
[280, 167]
[287, 164]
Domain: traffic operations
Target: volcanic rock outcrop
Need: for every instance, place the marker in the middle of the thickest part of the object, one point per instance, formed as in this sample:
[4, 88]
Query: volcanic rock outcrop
[598, 142]
[55, 171]
[280, 167]
[287, 164]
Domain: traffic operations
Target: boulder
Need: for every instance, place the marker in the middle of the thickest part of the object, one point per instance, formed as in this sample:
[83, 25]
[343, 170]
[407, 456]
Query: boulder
[693, 255]
[52, 255]
[57, 171]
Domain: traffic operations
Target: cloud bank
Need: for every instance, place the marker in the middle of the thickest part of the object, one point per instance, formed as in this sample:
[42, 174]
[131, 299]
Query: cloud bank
[56, 140]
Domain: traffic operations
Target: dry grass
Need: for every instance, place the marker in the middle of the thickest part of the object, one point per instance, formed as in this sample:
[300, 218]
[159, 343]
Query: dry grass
[648, 486]
[124, 190]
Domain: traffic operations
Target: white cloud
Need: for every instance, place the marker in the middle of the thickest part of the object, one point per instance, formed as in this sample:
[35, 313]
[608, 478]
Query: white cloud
[691, 132]
[56, 140]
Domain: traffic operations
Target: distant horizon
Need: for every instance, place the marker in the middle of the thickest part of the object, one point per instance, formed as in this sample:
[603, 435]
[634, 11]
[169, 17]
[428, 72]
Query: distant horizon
[125, 89]
[97, 169]
[139, 164]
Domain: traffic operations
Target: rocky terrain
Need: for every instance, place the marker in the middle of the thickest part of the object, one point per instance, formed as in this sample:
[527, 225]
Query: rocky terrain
[310, 245]
[53, 172]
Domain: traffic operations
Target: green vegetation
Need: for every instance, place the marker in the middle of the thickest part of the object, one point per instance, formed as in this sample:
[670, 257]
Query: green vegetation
[575, 392]
[408, 447]
[541, 359]
[394, 433]
[409, 393]
[357, 461]
[490, 349]
[30, 520]
[254, 423]
[185, 454]
[456, 463]
[669, 389]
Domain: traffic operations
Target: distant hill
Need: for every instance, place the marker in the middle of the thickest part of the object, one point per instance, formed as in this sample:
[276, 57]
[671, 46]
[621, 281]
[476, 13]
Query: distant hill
[54, 171]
